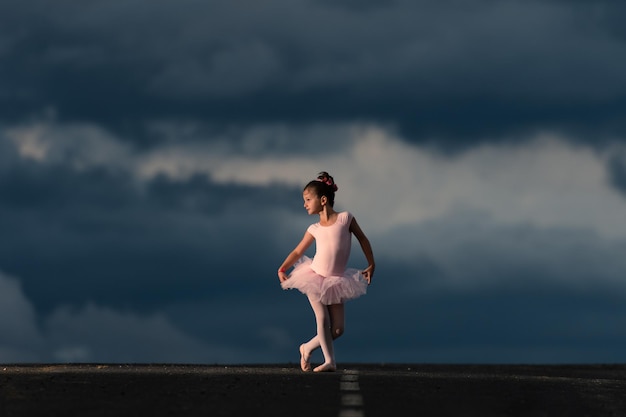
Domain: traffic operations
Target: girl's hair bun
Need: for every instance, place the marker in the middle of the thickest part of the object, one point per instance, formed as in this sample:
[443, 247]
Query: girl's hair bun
[328, 180]
[323, 186]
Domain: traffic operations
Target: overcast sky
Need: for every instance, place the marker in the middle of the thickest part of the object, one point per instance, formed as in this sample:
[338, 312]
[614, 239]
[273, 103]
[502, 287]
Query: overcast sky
[153, 154]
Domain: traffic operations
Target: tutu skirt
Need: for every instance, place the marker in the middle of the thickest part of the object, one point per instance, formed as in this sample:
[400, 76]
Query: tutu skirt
[334, 289]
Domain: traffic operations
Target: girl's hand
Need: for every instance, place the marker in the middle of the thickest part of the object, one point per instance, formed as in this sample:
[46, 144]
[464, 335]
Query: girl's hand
[368, 274]
[282, 276]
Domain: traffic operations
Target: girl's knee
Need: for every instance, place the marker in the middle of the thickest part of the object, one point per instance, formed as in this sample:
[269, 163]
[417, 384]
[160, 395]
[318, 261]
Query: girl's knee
[337, 331]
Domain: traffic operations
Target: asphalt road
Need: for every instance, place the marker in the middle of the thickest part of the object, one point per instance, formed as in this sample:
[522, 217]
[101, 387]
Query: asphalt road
[355, 390]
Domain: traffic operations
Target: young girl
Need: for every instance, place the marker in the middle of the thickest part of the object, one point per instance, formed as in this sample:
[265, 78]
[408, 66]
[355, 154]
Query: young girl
[325, 280]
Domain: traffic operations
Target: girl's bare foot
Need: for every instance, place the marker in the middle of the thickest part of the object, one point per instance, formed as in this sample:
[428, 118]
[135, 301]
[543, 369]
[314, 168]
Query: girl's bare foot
[304, 360]
[325, 367]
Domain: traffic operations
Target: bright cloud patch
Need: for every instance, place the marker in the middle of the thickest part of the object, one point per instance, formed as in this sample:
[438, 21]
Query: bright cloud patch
[544, 181]
[81, 146]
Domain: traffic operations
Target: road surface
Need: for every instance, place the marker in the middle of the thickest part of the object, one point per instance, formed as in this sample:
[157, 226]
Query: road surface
[355, 390]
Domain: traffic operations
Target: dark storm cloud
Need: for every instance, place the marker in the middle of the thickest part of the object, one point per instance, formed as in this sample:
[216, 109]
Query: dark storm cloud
[550, 297]
[548, 325]
[95, 235]
[450, 70]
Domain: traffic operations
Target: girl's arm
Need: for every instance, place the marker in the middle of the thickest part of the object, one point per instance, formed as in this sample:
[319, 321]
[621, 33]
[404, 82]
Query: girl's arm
[368, 273]
[295, 254]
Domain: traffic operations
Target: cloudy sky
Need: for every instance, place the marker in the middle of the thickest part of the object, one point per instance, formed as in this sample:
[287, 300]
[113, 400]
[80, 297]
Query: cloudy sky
[153, 153]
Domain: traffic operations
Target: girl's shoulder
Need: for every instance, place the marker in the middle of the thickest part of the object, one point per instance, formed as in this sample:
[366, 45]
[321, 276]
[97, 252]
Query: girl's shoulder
[345, 217]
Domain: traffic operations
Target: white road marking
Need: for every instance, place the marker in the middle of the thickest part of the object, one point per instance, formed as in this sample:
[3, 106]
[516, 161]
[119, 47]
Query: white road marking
[351, 398]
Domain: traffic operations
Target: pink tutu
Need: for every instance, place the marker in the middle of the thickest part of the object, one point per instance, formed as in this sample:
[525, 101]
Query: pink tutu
[334, 289]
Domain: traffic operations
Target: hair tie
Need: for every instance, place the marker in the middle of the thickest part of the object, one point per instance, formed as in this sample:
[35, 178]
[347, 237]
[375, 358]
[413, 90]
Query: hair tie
[329, 182]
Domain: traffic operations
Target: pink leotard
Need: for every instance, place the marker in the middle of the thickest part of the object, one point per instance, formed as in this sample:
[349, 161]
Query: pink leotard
[332, 245]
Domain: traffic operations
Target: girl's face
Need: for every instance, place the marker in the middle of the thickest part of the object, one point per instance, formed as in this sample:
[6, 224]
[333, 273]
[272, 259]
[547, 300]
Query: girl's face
[312, 203]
